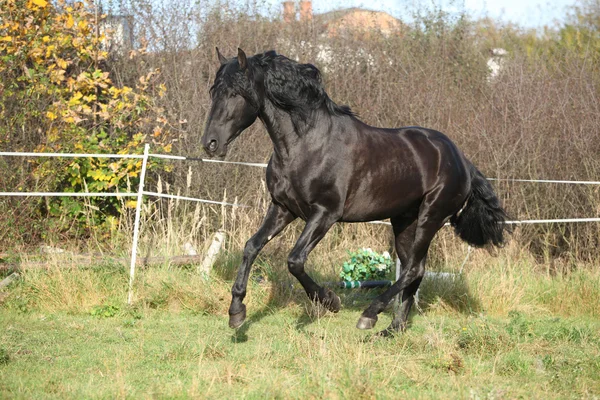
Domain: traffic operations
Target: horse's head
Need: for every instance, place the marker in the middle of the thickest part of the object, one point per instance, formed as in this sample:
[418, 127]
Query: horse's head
[234, 104]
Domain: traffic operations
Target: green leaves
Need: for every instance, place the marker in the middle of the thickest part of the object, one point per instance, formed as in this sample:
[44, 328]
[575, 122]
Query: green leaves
[105, 311]
[366, 264]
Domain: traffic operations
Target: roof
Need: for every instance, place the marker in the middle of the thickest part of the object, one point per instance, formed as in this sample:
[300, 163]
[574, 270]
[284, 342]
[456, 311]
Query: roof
[340, 21]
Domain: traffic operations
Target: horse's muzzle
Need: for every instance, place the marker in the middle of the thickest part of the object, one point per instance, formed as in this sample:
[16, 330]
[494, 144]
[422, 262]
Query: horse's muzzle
[212, 146]
[214, 150]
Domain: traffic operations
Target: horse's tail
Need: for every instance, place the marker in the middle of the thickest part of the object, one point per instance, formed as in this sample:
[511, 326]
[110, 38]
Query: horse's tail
[482, 220]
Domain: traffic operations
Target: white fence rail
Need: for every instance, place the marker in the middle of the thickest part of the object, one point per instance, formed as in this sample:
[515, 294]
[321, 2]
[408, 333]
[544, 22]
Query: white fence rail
[141, 192]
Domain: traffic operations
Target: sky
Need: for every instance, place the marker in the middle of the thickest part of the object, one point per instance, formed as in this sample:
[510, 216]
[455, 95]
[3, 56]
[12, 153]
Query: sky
[526, 13]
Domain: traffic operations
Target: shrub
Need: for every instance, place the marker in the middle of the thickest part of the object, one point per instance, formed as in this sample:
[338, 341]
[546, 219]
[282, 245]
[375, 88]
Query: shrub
[56, 95]
[366, 264]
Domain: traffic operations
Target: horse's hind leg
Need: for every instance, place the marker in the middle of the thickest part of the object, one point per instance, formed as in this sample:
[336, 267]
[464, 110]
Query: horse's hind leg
[276, 219]
[316, 228]
[404, 238]
[430, 220]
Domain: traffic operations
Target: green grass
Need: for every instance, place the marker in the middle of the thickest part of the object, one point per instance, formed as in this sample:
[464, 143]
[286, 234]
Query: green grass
[67, 334]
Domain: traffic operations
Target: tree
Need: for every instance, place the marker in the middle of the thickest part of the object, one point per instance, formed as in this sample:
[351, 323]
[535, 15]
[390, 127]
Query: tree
[56, 95]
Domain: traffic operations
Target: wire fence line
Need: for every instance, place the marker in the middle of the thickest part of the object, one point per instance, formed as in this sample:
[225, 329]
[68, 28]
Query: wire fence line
[69, 155]
[141, 192]
[263, 165]
[66, 194]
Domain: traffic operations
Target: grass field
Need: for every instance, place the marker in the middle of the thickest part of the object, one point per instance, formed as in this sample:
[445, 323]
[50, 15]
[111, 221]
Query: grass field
[506, 331]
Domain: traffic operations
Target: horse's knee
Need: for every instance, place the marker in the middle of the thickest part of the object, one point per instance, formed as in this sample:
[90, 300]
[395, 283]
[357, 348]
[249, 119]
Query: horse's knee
[253, 246]
[296, 264]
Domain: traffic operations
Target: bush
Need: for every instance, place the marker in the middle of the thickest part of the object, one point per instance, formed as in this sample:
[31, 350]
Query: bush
[56, 95]
[366, 264]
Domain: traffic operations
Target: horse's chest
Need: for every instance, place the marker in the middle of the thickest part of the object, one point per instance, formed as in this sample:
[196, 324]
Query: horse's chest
[283, 191]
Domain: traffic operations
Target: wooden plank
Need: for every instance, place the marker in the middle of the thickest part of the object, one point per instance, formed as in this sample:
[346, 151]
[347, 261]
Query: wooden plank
[9, 279]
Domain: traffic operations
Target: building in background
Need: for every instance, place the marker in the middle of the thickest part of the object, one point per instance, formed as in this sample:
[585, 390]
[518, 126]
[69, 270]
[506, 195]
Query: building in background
[496, 63]
[348, 21]
[356, 23]
[118, 32]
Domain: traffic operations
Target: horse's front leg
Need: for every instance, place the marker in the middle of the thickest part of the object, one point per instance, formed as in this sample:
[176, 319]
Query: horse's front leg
[315, 229]
[276, 219]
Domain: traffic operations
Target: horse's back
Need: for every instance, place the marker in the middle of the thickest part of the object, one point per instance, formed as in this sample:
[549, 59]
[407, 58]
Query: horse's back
[396, 168]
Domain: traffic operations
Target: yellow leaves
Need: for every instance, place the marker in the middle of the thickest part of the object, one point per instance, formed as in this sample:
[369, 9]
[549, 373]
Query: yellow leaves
[76, 99]
[71, 84]
[114, 166]
[94, 79]
[85, 109]
[54, 47]
[52, 135]
[138, 138]
[71, 117]
[112, 223]
[114, 91]
[131, 203]
[162, 89]
[49, 50]
[57, 76]
[78, 43]
[69, 22]
[126, 90]
[36, 53]
[40, 3]
[99, 175]
[103, 113]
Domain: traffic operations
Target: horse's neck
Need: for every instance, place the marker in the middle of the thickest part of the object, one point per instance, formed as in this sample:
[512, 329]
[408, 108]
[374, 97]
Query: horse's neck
[281, 130]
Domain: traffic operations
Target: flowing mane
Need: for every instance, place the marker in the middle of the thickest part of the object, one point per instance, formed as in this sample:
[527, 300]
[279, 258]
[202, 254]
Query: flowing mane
[295, 87]
[291, 86]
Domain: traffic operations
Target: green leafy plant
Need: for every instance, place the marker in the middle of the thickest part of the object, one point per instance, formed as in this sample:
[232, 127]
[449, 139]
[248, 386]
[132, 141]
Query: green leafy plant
[366, 264]
[105, 311]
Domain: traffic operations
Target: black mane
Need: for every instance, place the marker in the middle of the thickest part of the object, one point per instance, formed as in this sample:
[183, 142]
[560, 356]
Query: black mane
[294, 87]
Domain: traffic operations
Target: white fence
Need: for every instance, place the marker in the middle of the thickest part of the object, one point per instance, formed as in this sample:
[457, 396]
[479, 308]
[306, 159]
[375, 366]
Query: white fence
[141, 193]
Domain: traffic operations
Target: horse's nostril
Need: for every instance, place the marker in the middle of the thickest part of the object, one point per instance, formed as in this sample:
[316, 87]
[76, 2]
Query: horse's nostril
[212, 146]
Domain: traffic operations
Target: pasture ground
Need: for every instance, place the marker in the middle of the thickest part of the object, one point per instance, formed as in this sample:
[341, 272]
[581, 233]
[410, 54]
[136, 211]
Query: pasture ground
[504, 331]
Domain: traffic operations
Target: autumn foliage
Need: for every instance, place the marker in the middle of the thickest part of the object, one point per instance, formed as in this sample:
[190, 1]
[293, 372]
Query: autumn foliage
[56, 95]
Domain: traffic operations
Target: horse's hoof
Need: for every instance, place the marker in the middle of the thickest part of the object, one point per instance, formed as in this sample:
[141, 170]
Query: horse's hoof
[332, 302]
[366, 322]
[237, 320]
[387, 333]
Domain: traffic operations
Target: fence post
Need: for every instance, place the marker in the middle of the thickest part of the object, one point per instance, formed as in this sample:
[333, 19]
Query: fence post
[136, 226]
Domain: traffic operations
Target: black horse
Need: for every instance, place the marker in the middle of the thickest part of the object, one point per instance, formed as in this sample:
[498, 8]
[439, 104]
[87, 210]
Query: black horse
[328, 166]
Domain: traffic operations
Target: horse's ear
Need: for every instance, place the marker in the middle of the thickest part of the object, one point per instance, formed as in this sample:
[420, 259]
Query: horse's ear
[222, 59]
[242, 60]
